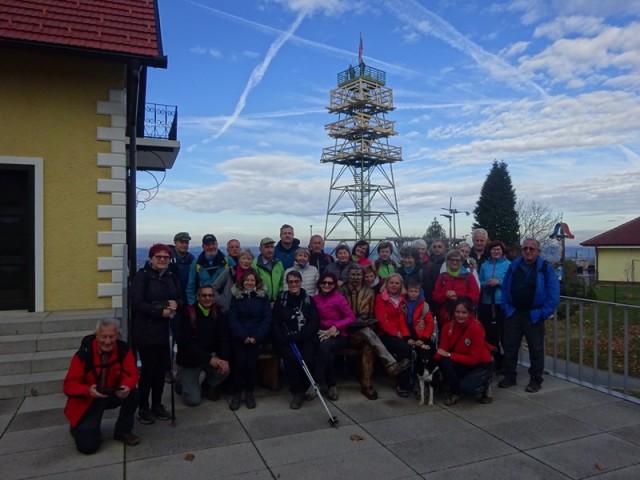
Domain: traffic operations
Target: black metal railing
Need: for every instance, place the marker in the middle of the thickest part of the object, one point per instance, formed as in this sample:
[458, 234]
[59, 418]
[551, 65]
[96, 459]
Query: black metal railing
[160, 121]
[362, 71]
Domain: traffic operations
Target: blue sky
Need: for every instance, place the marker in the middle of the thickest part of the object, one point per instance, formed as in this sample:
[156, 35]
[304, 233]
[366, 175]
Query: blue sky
[548, 86]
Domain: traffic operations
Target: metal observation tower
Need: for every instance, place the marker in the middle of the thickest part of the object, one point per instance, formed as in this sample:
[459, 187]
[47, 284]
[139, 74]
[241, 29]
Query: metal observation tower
[362, 191]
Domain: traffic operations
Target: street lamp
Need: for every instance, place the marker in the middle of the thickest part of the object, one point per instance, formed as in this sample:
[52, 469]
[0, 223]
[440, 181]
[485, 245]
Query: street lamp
[453, 212]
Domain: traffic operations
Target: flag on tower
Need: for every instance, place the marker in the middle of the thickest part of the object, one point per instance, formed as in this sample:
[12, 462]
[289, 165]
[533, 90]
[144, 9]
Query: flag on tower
[360, 51]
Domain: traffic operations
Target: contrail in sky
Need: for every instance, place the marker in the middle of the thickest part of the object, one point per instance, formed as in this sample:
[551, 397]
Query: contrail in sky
[258, 73]
[337, 52]
[425, 21]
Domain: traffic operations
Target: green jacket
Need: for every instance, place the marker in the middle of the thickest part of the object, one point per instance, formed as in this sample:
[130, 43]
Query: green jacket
[273, 279]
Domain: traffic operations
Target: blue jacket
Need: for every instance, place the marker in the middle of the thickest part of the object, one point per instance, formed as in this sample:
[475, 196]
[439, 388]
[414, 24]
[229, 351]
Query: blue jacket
[489, 270]
[547, 296]
[286, 255]
[180, 266]
[201, 273]
[249, 315]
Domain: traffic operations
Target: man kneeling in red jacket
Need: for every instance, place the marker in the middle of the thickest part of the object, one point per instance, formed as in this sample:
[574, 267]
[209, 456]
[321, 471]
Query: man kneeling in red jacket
[102, 375]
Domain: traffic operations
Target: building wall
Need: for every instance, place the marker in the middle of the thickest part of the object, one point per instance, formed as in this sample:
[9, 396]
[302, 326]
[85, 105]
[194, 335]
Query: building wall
[615, 264]
[69, 111]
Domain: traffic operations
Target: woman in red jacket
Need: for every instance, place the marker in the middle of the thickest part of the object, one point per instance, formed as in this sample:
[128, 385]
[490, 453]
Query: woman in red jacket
[391, 313]
[455, 282]
[465, 361]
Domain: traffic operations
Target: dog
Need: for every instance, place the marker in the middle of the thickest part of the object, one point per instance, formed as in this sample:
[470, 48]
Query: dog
[426, 367]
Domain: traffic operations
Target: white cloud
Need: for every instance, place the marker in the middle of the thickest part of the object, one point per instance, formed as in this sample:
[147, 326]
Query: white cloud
[576, 59]
[563, 26]
[514, 49]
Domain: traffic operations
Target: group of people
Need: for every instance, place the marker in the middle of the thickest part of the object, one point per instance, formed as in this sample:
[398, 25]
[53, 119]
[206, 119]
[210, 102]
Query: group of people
[468, 308]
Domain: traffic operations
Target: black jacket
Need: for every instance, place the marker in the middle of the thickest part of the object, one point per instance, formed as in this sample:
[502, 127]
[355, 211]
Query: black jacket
[201, 335]
[149, 295]
[286, 317]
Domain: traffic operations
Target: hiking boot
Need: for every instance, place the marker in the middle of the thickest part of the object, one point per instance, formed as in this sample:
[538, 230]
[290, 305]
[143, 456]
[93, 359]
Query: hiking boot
[251, 400]
[296, 401]
[212, 394]
[160, 412]
[235, 401]
[145, 416]
[451, 400]
[533, 387]
[402, 391]
[507, 382]
[487, 396]
[369, 392]
[310, 394]
[129, 439]
[397, 367]
[332, 393]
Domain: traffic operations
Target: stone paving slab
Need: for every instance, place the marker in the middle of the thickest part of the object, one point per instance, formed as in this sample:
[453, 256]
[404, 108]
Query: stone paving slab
[220, 462]
[442, 450]
[608, 416]
[532, 432]
[415, 426]
[366, 464]
[518, 465]
[589, 456]
[43, 461]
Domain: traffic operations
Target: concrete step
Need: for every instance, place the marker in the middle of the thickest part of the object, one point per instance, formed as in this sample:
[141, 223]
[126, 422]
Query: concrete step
[44, 342]
[31, 384]
[24, 363]
[23, 323]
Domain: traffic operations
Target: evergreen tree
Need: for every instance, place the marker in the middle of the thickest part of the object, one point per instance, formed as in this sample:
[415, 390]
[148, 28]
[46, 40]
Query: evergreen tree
[496, 208]
[435, 232]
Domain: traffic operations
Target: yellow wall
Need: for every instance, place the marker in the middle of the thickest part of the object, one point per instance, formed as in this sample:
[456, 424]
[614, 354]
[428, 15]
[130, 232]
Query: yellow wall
[49, 107]
[614, 264]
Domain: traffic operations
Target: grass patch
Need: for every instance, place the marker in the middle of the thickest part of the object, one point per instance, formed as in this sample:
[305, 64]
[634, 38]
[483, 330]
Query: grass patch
[600, 333]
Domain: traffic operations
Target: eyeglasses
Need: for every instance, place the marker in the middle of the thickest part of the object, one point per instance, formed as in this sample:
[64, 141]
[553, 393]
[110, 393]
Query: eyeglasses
[162, 258]
[293, 282]
[206, 295]
[327, 283]
[529, 249]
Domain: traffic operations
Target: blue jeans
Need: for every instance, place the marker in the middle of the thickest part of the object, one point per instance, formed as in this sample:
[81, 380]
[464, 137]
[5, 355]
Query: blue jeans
[189, 380]
[87, 431]
[515, 327]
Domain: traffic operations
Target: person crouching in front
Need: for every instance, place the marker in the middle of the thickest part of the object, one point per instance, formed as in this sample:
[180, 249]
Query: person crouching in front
[203, 345]
[102, 375]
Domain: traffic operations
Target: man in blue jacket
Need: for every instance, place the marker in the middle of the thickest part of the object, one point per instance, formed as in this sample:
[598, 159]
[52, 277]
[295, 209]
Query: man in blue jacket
[286, 248]
[530, 295]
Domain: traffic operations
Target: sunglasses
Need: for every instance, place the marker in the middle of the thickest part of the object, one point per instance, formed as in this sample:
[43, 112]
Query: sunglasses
[327, 283]
[206, 295]
[529, 249]
[293, 282]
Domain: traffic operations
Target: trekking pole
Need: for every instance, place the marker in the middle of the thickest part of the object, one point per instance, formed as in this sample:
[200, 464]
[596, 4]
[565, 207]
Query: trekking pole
[332, 419]
[173, 379]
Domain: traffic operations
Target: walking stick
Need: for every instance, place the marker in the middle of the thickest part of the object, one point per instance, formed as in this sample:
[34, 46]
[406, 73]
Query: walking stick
[173, 379]
[332, 419]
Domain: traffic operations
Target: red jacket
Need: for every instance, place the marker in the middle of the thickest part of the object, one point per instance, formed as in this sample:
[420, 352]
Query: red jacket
[392, 318]
[464, 285]
[423, 312]
[465, 342]
[77, 382]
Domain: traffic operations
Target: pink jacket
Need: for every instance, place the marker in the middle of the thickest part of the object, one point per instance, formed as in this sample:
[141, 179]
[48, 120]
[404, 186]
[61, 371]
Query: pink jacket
[333, 309]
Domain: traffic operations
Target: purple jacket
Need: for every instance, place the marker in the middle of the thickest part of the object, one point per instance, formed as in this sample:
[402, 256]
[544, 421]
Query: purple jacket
[333, 309]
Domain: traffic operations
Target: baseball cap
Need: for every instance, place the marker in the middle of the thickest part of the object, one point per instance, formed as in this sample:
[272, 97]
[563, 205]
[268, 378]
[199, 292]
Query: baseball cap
[182, 236]
[209, 238]
[267, 241]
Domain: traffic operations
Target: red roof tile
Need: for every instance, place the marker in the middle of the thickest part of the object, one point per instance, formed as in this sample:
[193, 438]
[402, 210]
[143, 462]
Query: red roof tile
[128, 27]
[625, 235]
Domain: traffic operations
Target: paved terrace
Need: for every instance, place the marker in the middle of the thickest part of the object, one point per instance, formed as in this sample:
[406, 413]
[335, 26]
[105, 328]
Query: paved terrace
[563, 432]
